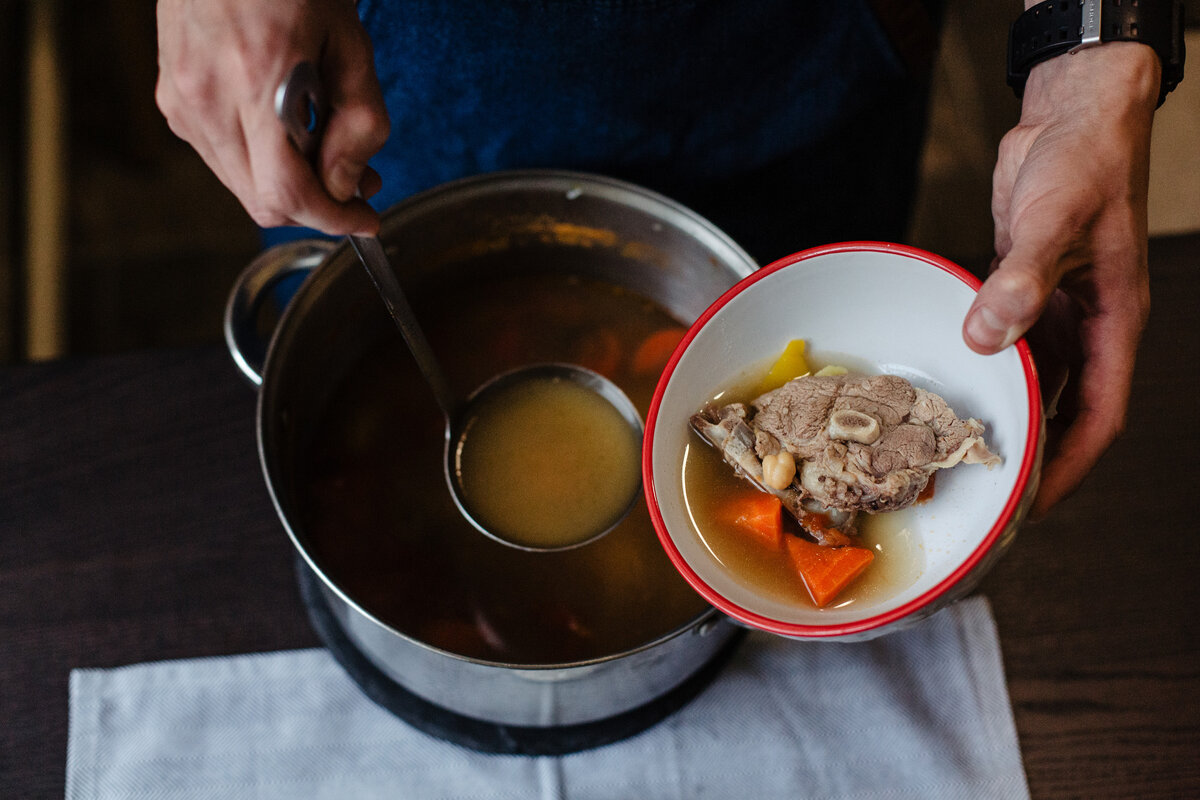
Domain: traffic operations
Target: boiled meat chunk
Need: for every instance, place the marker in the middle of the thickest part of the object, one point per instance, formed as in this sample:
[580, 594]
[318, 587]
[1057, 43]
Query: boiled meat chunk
[906, 446]
[726, 429]
[860, 443]
[957, 440]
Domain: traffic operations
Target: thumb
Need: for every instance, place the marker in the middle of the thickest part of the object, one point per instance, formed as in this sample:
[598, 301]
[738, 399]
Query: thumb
[358, 123]
[1009, 302]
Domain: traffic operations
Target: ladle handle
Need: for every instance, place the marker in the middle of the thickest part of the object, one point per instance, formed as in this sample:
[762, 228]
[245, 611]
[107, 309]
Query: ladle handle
[370, 253]
[302, 107]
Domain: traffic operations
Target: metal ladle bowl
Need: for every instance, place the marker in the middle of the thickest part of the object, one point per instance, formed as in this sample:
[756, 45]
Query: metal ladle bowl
[301, 106]
[459, 429]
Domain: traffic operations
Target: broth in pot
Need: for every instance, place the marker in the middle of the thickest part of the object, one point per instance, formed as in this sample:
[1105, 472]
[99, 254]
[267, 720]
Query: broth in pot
[380, 520]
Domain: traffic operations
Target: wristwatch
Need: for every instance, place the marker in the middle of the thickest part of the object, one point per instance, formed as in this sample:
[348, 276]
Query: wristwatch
[1064, 26]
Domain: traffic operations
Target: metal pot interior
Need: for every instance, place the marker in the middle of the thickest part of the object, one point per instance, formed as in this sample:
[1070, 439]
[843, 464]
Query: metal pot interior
[395, 553]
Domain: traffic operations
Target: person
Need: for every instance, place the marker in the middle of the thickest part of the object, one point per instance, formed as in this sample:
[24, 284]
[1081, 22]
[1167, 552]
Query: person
[796, 124]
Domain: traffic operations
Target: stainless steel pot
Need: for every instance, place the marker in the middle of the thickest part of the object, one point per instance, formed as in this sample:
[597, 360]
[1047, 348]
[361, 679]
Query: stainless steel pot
[591, 226]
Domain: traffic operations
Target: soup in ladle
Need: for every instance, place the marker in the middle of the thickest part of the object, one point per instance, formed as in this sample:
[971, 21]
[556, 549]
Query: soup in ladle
[547, 462]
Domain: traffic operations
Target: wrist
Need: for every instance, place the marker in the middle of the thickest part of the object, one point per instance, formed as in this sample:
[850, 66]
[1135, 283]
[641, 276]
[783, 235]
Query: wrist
[1116, 77]
[1050, 31]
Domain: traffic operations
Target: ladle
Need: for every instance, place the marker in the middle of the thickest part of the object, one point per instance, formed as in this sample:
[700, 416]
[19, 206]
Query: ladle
[302, 107]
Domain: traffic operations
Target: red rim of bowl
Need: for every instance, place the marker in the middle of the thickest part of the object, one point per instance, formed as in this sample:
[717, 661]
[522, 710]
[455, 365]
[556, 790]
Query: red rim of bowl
[887, 617]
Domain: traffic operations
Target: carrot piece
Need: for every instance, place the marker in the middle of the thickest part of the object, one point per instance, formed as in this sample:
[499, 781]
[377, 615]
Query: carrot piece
[826, 571]
[655, 350]
[759, 514]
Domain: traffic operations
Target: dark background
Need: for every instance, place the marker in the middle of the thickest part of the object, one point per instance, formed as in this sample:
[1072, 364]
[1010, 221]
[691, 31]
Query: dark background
[149, 241]
[152, 240]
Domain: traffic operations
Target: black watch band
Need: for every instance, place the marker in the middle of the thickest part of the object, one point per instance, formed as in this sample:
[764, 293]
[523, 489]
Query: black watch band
[1061, 26]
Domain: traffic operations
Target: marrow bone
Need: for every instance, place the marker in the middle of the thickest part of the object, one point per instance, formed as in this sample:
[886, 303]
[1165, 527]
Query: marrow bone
[848, 425]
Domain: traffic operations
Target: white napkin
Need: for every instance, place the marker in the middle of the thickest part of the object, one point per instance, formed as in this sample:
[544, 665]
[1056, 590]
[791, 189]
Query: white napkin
[923, 713]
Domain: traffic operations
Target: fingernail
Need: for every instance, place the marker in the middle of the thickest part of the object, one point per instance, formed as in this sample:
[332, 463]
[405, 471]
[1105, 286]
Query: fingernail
[343, 182]
[987, 329]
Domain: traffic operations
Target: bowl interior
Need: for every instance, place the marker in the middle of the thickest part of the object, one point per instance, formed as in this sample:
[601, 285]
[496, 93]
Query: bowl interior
[890, 309]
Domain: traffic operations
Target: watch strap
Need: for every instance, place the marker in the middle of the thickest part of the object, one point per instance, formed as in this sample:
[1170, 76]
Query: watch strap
[1055, 27]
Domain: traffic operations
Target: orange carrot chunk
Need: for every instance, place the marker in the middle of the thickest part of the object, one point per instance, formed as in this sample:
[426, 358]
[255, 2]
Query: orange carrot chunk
[655, 351]
[826, 571]
[758, 514]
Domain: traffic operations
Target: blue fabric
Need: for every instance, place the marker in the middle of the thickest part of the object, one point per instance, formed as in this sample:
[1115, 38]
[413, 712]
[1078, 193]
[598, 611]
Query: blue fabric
[786, 123]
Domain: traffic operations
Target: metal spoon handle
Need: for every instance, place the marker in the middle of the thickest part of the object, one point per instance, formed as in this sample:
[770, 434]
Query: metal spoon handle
[370, 253]
[302, 107]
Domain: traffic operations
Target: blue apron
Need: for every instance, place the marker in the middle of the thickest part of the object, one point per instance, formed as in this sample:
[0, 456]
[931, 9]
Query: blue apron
[786, 123]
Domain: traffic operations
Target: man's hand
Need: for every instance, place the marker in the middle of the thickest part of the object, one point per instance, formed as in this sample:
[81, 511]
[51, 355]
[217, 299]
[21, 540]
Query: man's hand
[220, 62]
[1069, 202]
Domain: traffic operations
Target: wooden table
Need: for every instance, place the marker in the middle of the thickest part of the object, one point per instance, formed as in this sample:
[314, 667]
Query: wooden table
[135, 526]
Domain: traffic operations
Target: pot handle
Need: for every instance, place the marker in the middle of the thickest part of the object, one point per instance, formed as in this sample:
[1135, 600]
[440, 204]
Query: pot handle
[245, 335]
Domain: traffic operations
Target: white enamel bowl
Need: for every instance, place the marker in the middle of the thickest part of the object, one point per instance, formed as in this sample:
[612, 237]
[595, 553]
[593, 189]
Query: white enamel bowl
[895, 309]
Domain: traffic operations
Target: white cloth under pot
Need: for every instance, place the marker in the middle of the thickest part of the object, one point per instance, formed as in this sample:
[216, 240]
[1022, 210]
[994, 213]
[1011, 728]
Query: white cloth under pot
[923, 714]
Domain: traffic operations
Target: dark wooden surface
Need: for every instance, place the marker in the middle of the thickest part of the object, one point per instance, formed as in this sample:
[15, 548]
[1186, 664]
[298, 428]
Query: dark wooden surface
[135, 526]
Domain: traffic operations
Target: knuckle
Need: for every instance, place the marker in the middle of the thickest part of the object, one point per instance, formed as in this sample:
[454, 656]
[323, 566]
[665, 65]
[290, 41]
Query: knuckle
[1027, 286]
[380, 131]
[276, 200]
[274, 203]
[172, 111]
[164, 98]
[1018, 140]
[266, 216]
[191, 87]
[367, 126]
[262, 218]
[1108, 428]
